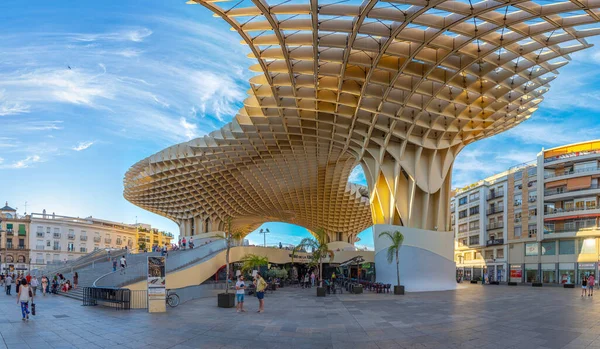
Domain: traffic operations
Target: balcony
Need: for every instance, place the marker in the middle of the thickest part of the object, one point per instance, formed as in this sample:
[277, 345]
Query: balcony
[71, 236]
[21, 247]
[39, 261]
[473, 228]
[83, 238]
[97, 239]
[497, 225]
[107, 241]
[495, 209]
[40, 247]
[119, 242]
[39, 235]
[56, 248]
[495, 242]
[570, 211]
[495, 195]
[571, 172]
[10, 232]
[566, 157]
[56, 235]
[9, 246]
[588, 225]
[564, 190]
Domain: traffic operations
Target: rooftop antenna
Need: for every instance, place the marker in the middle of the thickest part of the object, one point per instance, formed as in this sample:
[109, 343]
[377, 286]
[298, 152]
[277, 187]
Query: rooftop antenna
[25, 207]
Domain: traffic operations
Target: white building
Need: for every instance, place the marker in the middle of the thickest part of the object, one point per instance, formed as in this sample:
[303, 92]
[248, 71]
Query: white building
[55, 238]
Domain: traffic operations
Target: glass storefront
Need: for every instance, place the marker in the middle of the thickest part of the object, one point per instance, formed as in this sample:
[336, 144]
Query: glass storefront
[586, 269]
[549, 273]
[468, 274]
[531, 273]
[477, 274]
[500, 273]
[566, 273]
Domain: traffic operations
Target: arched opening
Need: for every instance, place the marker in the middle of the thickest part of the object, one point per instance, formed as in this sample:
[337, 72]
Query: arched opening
[357, 176]
[206, 224]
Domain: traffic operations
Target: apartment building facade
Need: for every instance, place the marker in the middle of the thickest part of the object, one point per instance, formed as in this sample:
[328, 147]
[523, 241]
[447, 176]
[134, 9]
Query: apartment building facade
[148, 237]
[546, 219]
[14, 241]
[57, 238]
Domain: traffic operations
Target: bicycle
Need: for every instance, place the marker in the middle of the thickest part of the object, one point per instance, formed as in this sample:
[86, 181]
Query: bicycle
[172, 299]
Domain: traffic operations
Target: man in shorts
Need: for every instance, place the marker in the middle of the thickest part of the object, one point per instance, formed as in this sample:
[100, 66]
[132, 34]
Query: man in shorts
[261, 285]
[590, 285]
[123, 264]
[240, 287]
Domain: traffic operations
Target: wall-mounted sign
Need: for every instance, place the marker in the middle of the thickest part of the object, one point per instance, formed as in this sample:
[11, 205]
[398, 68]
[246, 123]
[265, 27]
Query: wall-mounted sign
[157, 277]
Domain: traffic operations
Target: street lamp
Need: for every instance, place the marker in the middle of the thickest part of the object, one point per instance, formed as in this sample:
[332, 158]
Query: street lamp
[264, 232]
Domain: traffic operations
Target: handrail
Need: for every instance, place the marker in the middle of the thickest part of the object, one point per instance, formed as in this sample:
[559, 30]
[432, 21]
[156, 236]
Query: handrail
[570, 172]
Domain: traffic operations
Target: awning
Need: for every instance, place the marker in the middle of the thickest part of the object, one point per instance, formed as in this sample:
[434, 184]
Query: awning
[579, 183]
[556, 184]
[572, 217]
[352, 261]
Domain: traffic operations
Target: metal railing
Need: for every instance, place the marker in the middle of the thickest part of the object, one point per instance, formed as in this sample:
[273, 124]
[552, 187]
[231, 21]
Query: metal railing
[570, 172]
[570, 209]
[494, 242]
[495, 195]
[496, 225]
[118, 298]
[563, 190]
[176, 260]
[495, 209]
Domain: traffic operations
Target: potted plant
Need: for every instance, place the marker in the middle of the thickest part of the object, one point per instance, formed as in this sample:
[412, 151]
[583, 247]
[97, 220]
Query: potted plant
[227, 300]
[320, 250]
[392, 252]
[253, 262]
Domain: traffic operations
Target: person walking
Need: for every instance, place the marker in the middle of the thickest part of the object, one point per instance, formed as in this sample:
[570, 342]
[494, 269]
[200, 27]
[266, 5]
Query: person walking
[261, 284]
[306, 280]
[75, 280]
[584, 286]
[240, 287]
[183, 242]
[34, 285]
[8, 282]
[114, 264]
[590, 285]
[44, 285]
[123, 264]
[23, 297]
[312, 279]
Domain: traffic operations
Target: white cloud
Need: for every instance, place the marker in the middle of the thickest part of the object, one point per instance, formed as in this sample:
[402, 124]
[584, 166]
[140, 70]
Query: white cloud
[357, 176]
[191, 130]
[135, 35]
[11, 107]
[83, 145]
[24, 163]
[553, 131]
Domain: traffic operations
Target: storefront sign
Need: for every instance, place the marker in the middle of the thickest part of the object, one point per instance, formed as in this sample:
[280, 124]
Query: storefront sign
[516, 272]
[531, 249]
[587, 266]
[156, 278]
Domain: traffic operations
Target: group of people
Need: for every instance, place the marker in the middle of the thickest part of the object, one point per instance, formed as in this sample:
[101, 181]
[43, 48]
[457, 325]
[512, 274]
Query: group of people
[307, 280]
[184, 243]
[587, 285]
[240, 289]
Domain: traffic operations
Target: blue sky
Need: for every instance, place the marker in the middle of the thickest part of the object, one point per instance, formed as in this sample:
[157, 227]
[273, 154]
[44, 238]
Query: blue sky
[89, 88]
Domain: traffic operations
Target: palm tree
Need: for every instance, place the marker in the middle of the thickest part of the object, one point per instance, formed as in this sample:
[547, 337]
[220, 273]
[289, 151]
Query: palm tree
[252, 261]
[318, 245]
[392, 251]
[229, 237]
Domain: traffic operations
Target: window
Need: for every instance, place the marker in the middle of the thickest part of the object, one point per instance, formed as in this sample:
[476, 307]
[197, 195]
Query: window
[518, 175]
[83, 249]
[532, 230]
[532, 184]
[518, 216]
[477, 255]
[56, 246]
[588, 165]
[462, 201]
[48, 243]
[21, 243]
[489, 254]
[468, 256]
[474, 225]
[474, 197]
[517, 232]
[518, 186]
[500, 253]
[532, 196]
[474, 240]
[566, 247]
[532, 171]
[587, 246]
[462, 214]
[462, 228]
[48, 230]
[531, 249]
[71, 247]
[518, 200]
[532, 212]
[474, 210]
[548, 248]
[22, 230]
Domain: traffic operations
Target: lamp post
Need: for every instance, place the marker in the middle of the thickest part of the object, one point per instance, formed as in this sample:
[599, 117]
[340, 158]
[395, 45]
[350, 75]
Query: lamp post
[264, 232]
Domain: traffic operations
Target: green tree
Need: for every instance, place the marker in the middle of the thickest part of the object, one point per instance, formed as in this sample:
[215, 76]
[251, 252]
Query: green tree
[253, 261]
[318, 245]
[230, 236]
[397, 239]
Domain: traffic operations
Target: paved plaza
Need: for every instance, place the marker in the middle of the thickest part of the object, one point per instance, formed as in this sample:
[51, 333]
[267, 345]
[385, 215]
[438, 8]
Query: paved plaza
[472, 317]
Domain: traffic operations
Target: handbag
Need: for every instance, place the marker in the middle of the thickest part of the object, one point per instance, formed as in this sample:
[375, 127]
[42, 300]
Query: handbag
[33, 308]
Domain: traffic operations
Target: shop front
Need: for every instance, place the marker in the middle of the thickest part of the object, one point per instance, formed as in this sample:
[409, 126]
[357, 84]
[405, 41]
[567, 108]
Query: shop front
[566, 272]
[586, 269]
[531, 273]
[495, 272]
[516, 273]
[549, 273]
